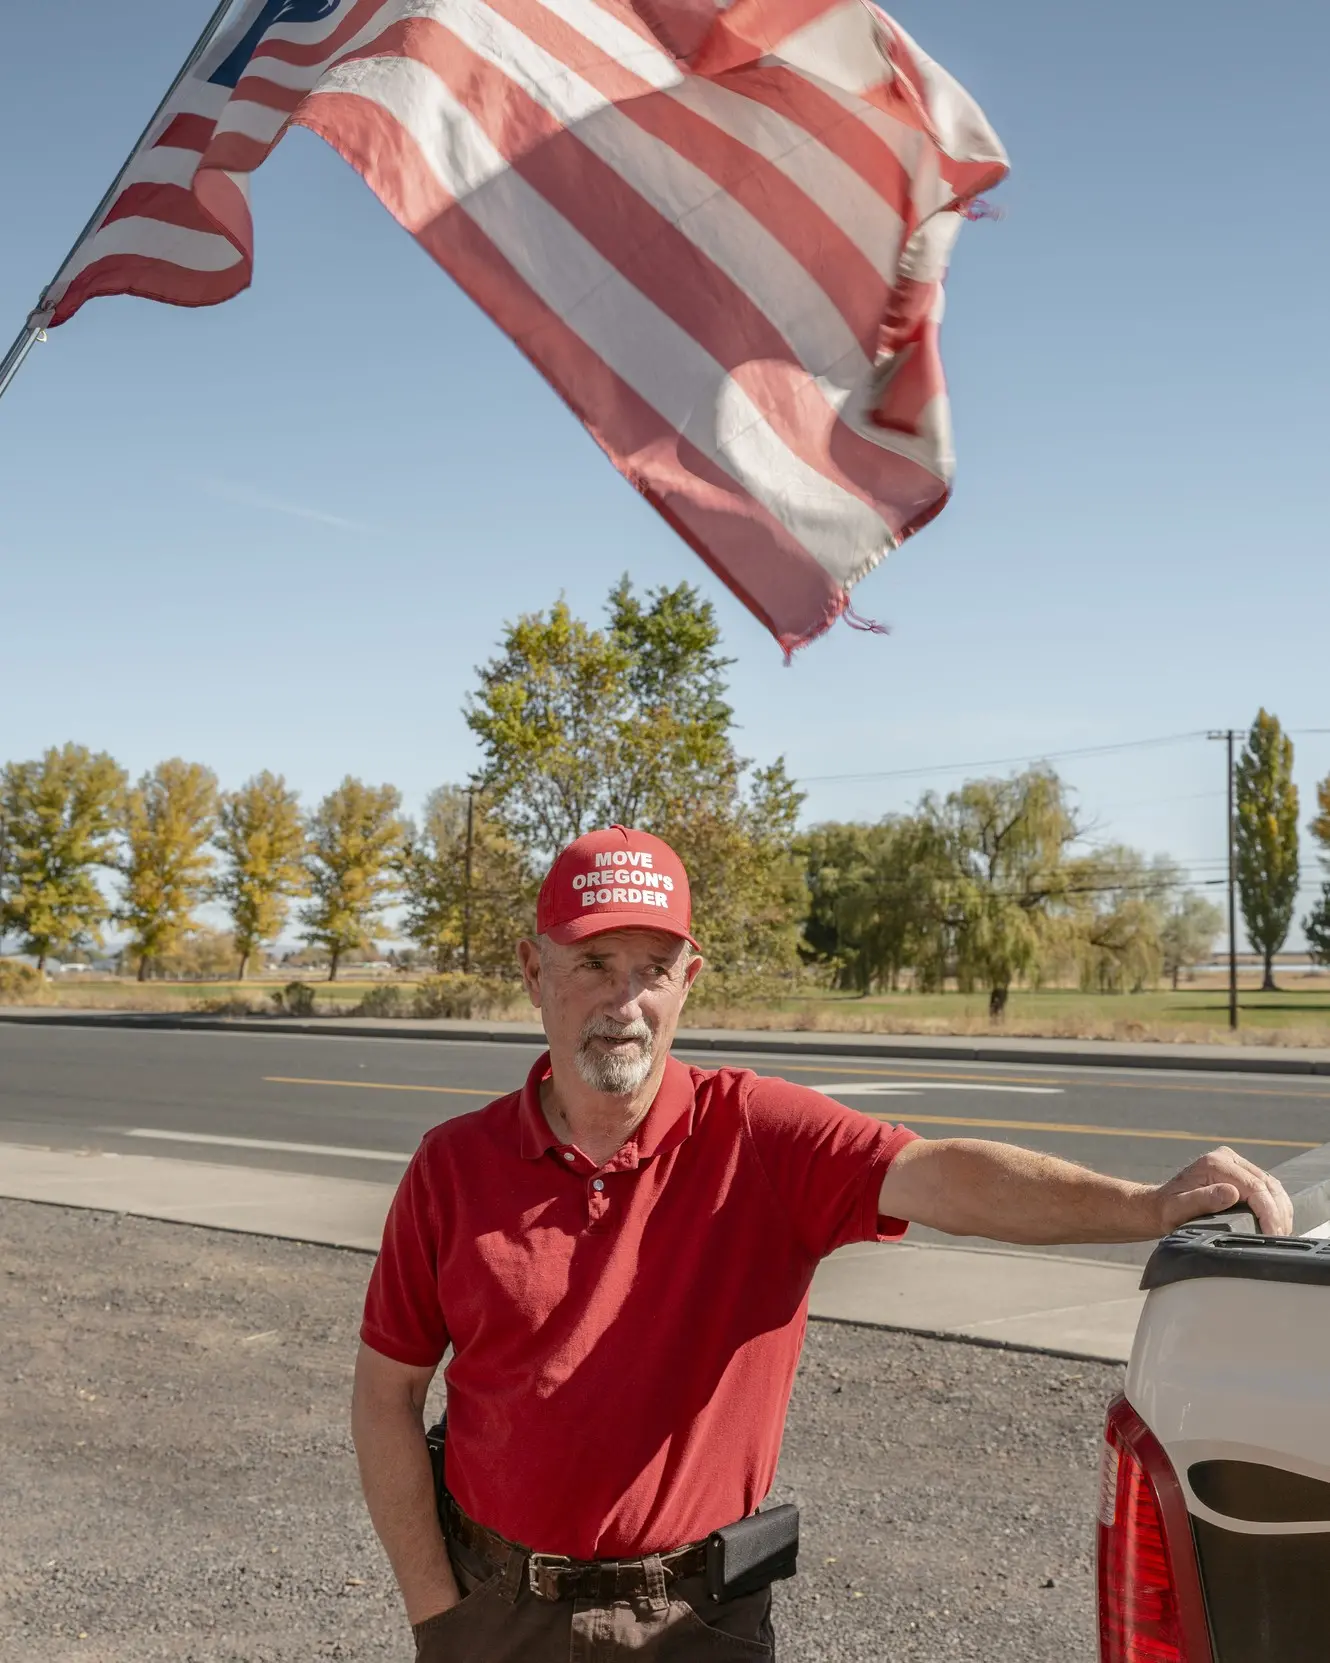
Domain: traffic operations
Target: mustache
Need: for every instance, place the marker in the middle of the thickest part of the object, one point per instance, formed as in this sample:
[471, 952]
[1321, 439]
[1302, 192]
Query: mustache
[601, 1027]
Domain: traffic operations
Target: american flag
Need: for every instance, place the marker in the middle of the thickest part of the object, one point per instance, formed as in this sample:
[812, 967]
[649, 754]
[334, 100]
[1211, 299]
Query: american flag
[719, 232]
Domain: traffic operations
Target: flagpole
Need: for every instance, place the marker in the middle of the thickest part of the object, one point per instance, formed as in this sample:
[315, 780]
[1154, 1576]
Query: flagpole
[34, 329]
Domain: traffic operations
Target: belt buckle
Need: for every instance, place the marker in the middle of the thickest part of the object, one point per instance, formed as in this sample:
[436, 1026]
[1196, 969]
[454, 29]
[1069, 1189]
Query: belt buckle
[542, 1570]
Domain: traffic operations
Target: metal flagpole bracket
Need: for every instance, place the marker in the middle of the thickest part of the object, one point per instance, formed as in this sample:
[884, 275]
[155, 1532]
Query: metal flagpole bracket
[33, 331]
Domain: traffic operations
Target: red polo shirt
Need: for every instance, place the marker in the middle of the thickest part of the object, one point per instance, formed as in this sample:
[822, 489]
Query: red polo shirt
[625, 1336]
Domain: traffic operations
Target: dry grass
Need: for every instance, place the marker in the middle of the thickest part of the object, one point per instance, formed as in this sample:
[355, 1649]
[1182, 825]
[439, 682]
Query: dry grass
[1077, 1025]
[1297, 1016]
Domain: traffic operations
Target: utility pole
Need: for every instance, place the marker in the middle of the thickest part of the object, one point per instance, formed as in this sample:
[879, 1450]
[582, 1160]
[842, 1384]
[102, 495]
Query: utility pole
[466, 894]
[1229, 735]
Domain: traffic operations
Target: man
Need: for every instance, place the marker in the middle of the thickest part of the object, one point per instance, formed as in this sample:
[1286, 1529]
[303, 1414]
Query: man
[619, 1255]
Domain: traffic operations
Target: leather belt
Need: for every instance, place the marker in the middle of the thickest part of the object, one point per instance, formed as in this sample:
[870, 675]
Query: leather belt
[551, 1576]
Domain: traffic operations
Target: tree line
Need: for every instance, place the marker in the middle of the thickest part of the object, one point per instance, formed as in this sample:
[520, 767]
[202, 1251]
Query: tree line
[990, 886]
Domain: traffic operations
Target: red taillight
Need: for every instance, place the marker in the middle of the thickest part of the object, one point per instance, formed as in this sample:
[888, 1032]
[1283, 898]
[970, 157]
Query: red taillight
[1151, 1609]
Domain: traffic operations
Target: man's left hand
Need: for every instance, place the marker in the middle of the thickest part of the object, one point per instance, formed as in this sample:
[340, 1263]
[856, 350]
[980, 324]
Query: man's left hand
[1221, 1180]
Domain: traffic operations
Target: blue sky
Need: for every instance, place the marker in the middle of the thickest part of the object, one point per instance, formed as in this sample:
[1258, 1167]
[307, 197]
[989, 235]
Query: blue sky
[283, 532]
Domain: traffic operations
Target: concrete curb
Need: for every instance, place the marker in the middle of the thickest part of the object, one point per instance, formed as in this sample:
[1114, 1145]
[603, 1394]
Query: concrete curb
[1236, 1059]
[997, 1297]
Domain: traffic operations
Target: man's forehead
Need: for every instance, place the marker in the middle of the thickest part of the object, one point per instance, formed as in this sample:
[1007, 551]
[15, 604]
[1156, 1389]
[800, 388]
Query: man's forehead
[629, 943]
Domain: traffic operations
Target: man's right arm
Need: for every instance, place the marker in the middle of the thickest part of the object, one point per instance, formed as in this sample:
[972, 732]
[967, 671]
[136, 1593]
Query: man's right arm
[387, 1406]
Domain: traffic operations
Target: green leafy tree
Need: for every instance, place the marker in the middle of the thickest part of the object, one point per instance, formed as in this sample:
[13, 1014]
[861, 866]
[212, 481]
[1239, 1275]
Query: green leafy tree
[552, 712]
[1007, 843]
[747, 882]
[1317, 926]
[1317, 922]
[629, 724]
[1266, 835]
[584, 727]
[1111, 918]
[354, 840]
[168, 820]
[1191, 924]
[59, 817]
[261, 838]
[465, 914]
[878, 901]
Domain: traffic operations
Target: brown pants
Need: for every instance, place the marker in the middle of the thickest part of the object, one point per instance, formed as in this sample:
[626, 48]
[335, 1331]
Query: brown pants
[501, 1621]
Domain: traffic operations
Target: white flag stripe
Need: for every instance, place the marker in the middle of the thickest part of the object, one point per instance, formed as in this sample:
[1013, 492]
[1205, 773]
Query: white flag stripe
[706, 257]
[645, 348]
[154, 239]
[603, 32]
[248, 120]
[755, 260]
[866, 218]
[165, 164]
[840, 47]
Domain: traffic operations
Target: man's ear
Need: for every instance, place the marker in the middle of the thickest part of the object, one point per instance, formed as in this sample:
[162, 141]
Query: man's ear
[693, 971]
[528, 956]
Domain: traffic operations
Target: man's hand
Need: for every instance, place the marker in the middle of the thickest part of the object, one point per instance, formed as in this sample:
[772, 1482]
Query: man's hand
[1221, 1180]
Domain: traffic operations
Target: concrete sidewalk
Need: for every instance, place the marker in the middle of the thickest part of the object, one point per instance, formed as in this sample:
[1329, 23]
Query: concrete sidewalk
[1075, 1307]
[1254, 1057]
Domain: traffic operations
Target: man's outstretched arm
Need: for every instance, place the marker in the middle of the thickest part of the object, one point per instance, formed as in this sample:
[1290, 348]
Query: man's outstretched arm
[386, 1408]
[968, 1187]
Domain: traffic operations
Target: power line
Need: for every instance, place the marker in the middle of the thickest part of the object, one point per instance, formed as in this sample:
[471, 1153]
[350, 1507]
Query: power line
[1029, 758]
[1007, 761]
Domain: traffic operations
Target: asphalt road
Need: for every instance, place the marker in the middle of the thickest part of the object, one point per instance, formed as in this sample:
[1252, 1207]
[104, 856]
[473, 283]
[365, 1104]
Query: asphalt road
[357, 1107]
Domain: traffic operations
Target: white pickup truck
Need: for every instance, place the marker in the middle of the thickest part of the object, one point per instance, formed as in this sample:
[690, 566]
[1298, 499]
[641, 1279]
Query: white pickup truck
[1214, 1512]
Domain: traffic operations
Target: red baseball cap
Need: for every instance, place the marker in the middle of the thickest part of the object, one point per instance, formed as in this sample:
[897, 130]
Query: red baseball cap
[616, 879]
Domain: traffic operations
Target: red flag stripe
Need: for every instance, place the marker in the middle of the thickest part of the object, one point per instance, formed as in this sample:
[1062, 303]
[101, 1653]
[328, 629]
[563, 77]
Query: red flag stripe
[642, 444]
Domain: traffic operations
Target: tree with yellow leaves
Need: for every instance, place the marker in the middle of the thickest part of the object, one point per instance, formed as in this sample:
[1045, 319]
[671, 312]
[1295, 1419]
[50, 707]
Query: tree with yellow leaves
[58, 819]
[168, 820]
[261, 838]
[354, 842]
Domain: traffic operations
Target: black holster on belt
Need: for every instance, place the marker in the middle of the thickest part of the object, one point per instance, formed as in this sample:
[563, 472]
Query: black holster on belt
[740, 1558]
[434, 1443]
[758, 1550]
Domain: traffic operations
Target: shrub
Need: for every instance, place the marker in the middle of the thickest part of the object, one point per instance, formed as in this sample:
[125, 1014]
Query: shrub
[225, 1004]
[295, 999]
[388, 1000]
[466, 997]
[21, 984]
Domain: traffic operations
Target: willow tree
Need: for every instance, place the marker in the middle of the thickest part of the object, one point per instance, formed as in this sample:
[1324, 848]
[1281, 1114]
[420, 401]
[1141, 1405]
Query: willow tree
[1007, 842]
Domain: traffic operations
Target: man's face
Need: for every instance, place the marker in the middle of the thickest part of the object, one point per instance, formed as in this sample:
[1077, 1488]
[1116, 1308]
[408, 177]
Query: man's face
[610, 1004]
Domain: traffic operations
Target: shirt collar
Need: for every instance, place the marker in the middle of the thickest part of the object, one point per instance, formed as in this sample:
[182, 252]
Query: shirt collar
[668, 1121]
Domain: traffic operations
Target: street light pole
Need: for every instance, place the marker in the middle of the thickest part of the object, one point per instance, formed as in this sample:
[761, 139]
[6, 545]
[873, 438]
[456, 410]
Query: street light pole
[1229, 735]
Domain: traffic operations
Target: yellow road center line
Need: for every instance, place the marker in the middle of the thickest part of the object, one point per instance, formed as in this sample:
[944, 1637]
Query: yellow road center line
[382, 1085]
[1212, 1138]
[907, 1120]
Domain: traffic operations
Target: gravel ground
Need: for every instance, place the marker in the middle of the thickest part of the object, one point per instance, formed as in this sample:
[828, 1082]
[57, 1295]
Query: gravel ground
[179, 1482]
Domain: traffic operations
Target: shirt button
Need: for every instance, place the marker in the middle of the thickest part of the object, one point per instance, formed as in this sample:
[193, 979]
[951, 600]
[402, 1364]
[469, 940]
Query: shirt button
[568, 1155]
[598, 1184]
